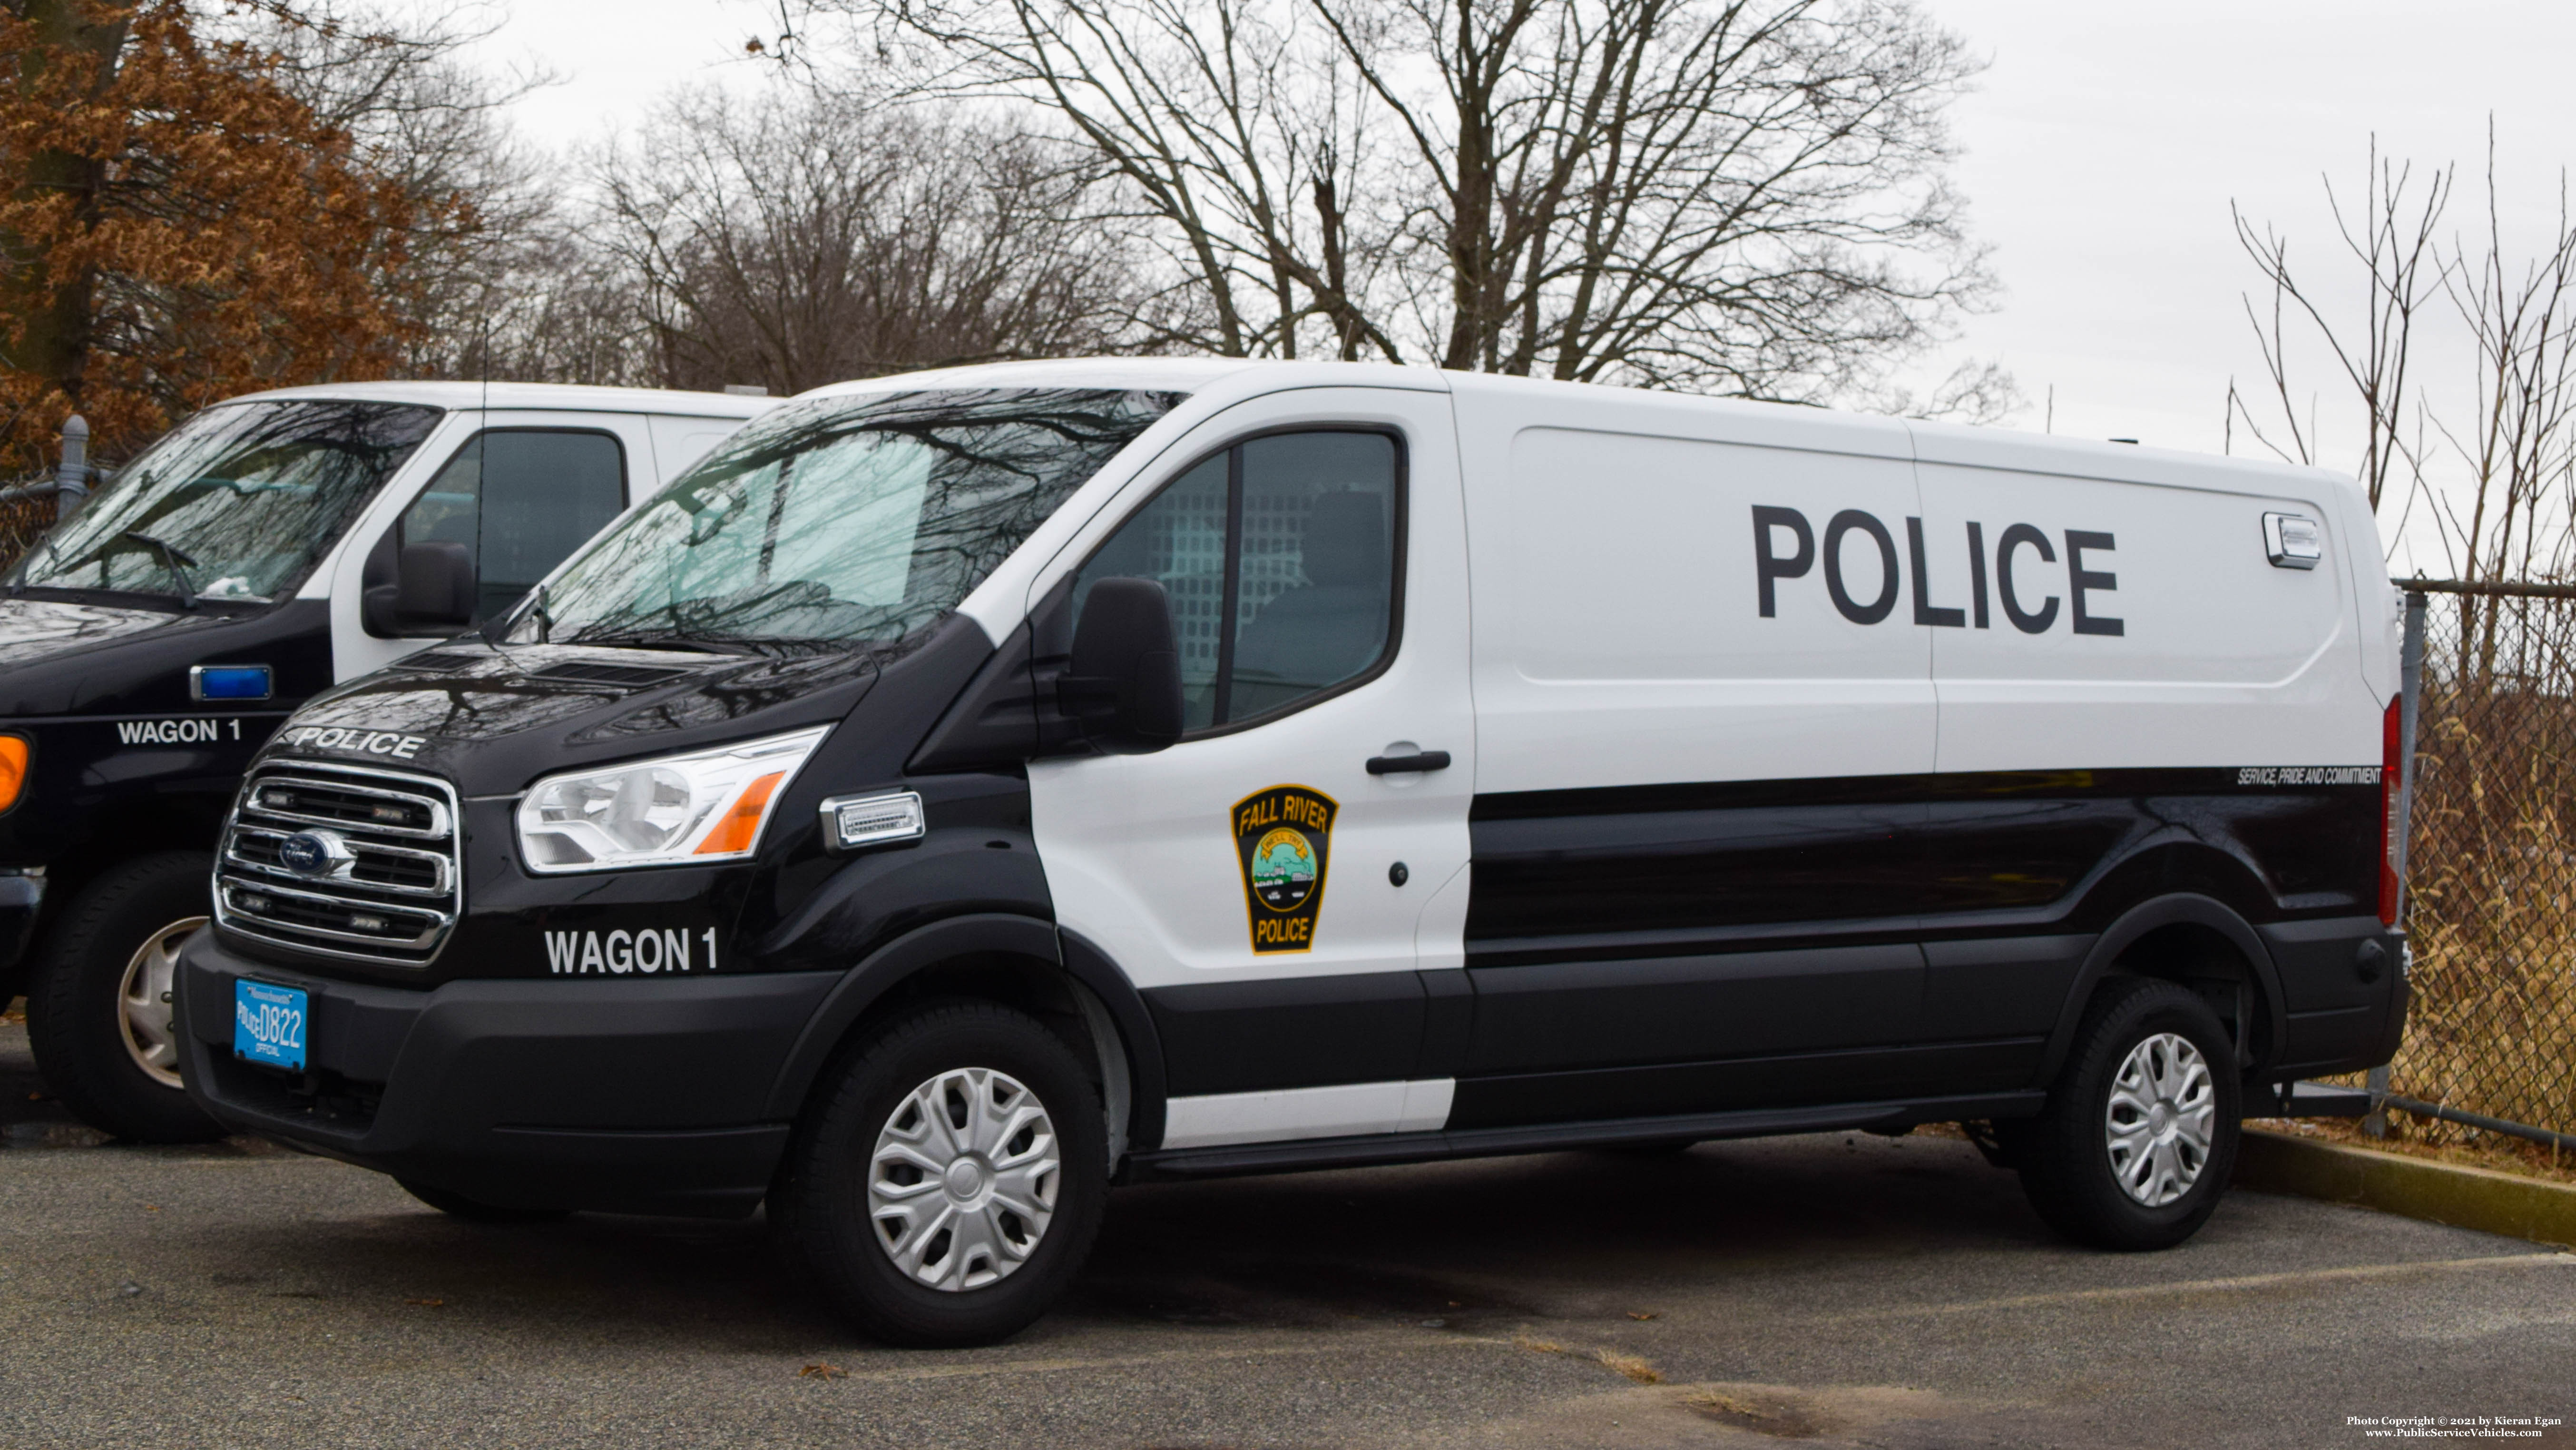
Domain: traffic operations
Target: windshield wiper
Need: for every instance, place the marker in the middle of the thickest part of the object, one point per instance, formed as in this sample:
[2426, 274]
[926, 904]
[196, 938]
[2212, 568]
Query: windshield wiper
[496, 630]
[171, 559]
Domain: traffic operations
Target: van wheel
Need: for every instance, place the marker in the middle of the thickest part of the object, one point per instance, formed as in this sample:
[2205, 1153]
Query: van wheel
[2139, 1135]
[475, 1210]
[99, 1012]
[947, 1177]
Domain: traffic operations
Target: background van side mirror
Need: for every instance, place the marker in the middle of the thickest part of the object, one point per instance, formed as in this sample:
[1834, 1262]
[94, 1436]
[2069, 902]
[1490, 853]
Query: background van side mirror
[433, 592]
[1123, 680]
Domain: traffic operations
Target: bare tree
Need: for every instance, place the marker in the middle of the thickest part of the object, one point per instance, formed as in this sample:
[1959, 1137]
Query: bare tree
[487, 247]
[2518, 444]
[796, 239]
[2489, 453]
[1746, 196]
[2392, 236]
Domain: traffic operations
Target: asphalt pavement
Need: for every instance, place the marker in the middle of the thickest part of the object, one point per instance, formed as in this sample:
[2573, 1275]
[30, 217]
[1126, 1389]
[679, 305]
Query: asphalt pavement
[1827, 1290]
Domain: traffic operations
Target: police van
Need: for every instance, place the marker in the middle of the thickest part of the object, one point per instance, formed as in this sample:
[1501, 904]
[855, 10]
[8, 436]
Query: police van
[150, 642]
[966, 791]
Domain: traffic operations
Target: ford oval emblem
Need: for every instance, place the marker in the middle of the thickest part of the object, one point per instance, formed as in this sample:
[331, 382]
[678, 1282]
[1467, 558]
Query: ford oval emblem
[305, 853]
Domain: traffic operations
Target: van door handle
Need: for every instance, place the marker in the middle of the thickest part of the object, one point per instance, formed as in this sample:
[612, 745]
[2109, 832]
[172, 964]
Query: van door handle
[1405, 764]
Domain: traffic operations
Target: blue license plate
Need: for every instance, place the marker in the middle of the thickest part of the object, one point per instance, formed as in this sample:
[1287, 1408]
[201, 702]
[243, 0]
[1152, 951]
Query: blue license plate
[268, 1024]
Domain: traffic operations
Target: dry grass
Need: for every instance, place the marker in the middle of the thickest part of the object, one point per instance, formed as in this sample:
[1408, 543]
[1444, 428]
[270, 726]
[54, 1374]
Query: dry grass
[1630, 1365]
[2492, 868]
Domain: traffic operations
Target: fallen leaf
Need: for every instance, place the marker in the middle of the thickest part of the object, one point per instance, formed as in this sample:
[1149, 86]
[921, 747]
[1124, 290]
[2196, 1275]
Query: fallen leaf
[1645, 1314]
[822, 1372]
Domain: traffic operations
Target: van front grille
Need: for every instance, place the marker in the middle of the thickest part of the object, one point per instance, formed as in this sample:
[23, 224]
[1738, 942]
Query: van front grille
[296, 800]
[347, 861]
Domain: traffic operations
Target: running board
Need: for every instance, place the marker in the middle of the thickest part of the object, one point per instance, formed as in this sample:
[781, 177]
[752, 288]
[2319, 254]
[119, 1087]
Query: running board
[1385, 1148]
[2304, 1100]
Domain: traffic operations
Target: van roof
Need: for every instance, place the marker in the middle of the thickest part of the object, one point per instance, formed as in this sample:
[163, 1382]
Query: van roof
[1930, 442]
[554, 397]
[1178, 374]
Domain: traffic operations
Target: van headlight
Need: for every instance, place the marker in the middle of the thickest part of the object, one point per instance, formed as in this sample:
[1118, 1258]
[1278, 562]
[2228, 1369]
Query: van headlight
[705, 806]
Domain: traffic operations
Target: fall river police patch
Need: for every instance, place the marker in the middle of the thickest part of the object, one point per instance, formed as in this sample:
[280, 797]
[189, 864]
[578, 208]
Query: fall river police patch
[1285, 837]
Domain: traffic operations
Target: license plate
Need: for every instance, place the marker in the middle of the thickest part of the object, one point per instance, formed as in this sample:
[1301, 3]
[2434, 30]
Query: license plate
[268, 1024]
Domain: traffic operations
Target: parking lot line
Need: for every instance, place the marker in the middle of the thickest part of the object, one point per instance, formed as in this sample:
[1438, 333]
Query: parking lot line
[2241, 1284]
[1337, 1347]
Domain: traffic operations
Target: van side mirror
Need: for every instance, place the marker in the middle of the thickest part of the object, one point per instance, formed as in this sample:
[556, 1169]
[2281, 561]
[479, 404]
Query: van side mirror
[433, 591]
[1123, 681]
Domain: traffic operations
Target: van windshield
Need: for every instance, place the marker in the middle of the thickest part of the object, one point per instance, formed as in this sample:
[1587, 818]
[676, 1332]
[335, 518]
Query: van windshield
[237, 504]
[843, 521]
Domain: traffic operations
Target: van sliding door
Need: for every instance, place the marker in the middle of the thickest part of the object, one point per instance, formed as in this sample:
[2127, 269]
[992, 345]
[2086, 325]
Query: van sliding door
[1702, 700]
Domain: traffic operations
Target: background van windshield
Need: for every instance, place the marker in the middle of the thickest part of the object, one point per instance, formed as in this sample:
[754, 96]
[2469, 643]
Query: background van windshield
[237, 503]
[841, 521]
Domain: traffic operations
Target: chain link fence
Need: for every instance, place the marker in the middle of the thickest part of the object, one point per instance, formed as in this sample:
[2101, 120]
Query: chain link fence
[2491, 861]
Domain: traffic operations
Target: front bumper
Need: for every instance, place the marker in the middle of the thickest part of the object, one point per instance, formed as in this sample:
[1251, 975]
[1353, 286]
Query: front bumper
[631, 1096]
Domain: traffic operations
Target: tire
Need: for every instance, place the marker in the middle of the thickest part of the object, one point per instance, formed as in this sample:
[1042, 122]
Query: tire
[1028, 1189]
[2150, 1042]
[96, 1000]
[474, 1210]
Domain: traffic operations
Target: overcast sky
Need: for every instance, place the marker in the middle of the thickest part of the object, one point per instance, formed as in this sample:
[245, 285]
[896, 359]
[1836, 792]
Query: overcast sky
[2100, 154]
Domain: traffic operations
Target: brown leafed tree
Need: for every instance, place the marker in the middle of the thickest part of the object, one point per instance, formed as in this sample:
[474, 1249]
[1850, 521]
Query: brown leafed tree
[176, 225]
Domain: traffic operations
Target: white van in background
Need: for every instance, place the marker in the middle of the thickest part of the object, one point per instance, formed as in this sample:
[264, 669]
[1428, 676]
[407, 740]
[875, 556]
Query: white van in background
[968, 789]
[266, 548]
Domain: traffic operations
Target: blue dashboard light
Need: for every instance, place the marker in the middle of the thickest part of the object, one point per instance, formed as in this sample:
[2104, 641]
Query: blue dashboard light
[228, 682]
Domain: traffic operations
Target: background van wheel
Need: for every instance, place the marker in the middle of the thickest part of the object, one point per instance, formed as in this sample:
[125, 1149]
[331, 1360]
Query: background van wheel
[99, 1014]
[474, 1210]
[947, 1177]
[2139, 1136]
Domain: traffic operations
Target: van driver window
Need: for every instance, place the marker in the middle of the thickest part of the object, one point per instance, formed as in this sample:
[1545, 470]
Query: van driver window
[1278, 556]
[520, 500]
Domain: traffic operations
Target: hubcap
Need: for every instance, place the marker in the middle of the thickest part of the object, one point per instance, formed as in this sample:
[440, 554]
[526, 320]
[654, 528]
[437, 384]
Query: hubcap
[963, 1181]
[144, 1010]
[2163, 1110]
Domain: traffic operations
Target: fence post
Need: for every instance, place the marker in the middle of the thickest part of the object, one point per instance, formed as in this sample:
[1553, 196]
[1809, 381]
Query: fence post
[2410, 677]
[71, 480]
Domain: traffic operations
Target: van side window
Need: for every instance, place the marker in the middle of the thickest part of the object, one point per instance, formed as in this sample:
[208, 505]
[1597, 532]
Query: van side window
[520, 500]
[1279, 558]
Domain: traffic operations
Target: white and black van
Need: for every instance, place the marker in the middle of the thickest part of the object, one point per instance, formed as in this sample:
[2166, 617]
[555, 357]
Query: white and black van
[968, 790]
[264, 549]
